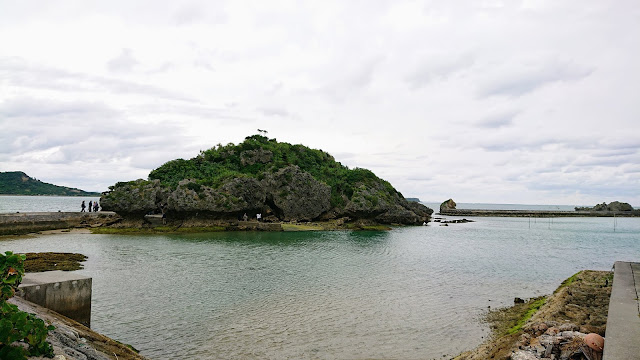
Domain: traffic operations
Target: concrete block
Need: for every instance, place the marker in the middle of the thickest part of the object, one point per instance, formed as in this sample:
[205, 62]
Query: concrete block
[64, 292]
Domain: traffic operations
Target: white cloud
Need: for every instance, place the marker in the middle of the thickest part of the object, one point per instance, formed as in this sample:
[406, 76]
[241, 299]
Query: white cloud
[519, 102]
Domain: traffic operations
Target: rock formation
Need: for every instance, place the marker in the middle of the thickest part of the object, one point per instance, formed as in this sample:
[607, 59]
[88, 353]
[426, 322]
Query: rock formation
[448, 205]
[613, 206]
[282, 182]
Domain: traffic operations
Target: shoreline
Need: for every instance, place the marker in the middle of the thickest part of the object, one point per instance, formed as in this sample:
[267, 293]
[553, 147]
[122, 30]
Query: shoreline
[578, 306]
[107, 222]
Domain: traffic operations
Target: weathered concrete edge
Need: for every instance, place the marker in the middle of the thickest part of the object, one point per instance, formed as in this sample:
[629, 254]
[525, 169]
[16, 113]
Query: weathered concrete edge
[64, 292]
[623, 321]
[70, 336]
[24, 223]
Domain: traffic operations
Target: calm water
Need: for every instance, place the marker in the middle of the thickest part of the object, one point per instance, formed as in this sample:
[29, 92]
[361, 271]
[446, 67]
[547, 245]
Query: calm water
[11, 204]
[415, 292]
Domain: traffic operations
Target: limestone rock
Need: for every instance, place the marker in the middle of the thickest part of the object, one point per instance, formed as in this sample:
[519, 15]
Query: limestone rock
[448, 205]
[250, 157]
[235, 196]
[134, 197]
[293, 194]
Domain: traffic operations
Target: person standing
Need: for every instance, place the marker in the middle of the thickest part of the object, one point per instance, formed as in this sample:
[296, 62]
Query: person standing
[83, 206]
[95, 206]
[90, 205]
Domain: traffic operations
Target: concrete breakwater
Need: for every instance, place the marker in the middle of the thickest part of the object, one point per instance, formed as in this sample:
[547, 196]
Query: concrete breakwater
[537, 213]
[24, 223]
[64, 292]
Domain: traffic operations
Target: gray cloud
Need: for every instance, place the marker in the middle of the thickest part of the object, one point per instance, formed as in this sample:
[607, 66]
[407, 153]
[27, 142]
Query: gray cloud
[273, 111]
[17, 72]
[524, 79]
[34, 108]
[438, 69]
[125, 62]
[498, 120]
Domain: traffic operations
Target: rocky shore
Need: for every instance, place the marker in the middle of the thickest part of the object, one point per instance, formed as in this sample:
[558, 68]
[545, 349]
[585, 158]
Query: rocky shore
[73, 341]
[560, 326]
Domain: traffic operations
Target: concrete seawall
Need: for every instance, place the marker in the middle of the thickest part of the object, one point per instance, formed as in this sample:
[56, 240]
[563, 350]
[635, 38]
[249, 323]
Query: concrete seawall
[537, 213]
[64, 292]
[23, 223]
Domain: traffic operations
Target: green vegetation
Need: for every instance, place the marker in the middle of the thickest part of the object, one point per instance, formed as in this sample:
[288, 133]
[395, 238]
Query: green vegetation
[50, 261]
[569, 281]
[19, 183]
[302, 227]
[259, 155]
[18, 326]
[533, 306]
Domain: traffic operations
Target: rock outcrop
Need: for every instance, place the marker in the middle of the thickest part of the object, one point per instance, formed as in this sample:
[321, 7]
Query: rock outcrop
[293, 194]
[73, 341]
[613, 206]
[282, 182]
[448, 205]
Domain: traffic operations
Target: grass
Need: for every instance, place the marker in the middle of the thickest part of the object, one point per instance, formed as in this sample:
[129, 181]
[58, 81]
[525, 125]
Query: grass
[302, 227]
[569, 281]
[533, 306]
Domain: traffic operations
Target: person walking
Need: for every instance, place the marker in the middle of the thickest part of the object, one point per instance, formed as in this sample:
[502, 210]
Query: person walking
[95, 206]
[83, 206]
[90, 205]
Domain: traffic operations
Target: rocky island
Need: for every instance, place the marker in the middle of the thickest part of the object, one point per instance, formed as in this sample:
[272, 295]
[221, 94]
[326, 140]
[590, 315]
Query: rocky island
[262, 179]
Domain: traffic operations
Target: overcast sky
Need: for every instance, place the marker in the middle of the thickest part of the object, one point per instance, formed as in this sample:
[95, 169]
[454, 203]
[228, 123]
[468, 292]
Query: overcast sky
[534, 102]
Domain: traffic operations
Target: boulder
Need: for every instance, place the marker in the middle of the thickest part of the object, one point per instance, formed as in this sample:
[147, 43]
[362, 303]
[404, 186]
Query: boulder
[448, 205]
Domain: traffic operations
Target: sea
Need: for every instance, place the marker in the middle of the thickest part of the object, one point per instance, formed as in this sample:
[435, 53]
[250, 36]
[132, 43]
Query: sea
[418, 292]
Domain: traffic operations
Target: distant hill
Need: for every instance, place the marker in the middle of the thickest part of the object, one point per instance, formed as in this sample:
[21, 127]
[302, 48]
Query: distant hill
[19, 183]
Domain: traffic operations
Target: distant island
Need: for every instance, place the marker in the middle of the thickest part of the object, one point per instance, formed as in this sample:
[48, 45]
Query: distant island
[615, 208]
[612, 206]
[19, 183]
[263, 180]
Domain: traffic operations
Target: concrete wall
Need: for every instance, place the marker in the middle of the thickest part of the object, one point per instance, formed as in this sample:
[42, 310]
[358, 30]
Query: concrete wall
[64, 292]
[21, 223]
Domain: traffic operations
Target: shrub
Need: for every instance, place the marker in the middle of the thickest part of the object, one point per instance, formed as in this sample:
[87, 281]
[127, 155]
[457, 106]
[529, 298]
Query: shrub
[18, 326]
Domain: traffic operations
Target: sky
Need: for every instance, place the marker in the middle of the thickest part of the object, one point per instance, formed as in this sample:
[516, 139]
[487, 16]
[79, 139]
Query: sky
[525, 102]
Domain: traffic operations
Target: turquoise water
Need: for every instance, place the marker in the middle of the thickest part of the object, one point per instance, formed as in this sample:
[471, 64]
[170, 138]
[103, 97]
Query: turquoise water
[413, 292]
